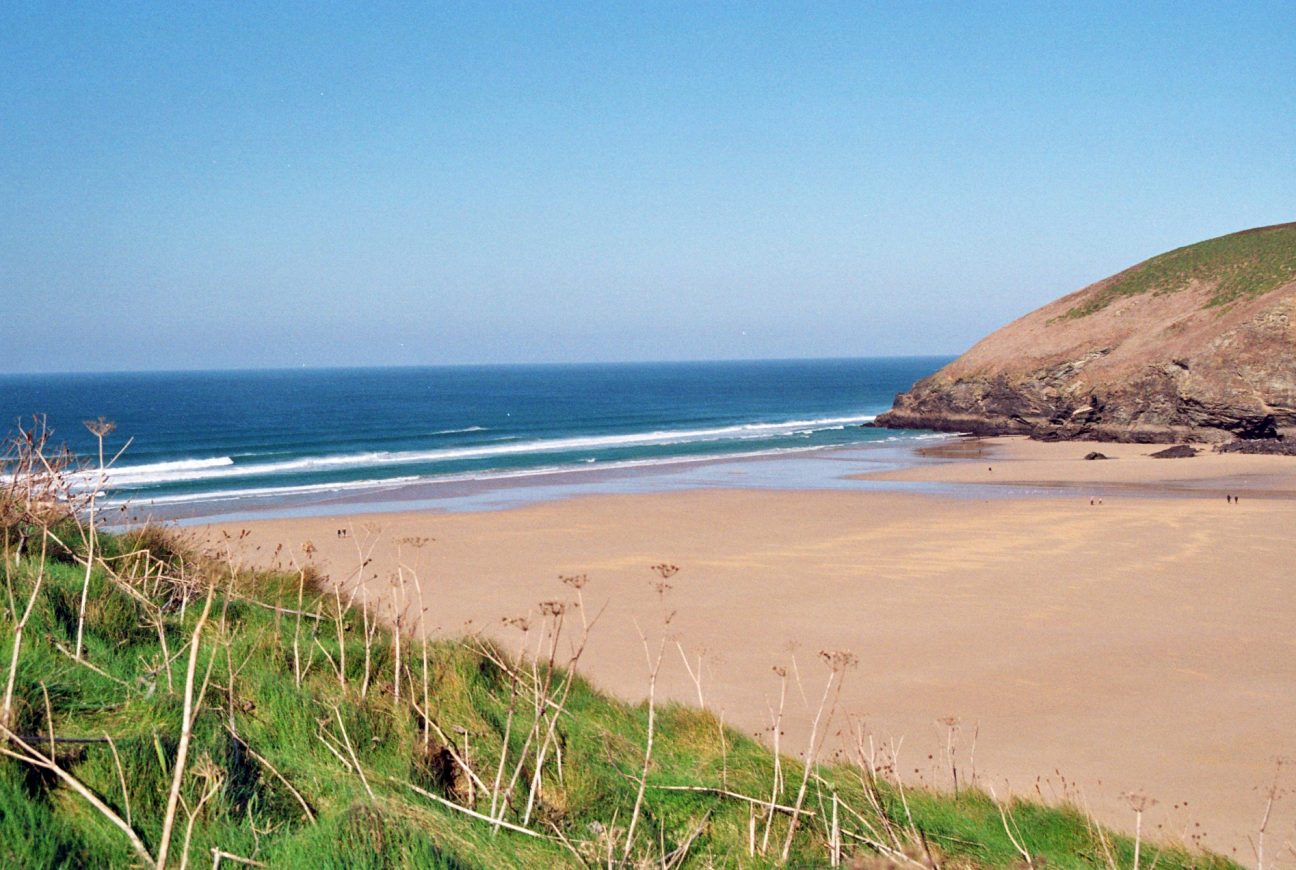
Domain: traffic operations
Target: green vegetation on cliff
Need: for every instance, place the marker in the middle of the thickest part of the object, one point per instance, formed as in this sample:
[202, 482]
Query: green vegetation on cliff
[1238, 266]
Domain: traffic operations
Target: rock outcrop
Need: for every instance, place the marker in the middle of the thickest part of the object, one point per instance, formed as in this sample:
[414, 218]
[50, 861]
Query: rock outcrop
[1177, 451]
[1196, 344]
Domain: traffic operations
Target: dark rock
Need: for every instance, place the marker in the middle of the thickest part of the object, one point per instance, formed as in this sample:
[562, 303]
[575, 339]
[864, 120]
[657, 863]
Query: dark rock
[1096, 455]
[1179, 451]
[1265, 428]
[1274, 447]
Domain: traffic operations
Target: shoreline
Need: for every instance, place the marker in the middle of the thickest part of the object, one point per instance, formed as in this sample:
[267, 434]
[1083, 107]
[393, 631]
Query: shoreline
[1128, 469]
[805, 468]
[915, 464]
[1093, 648]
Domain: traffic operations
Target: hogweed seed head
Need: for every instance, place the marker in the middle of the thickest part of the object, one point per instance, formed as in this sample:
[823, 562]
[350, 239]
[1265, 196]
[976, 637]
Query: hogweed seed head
[100, 428]
[575, 581]
[839, 660]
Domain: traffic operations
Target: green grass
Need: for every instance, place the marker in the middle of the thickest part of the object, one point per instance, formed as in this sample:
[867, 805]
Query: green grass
[253, 692]
[1238, 266]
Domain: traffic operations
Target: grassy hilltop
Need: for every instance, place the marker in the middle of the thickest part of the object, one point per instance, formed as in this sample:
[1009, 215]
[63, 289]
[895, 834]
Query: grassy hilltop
[1237, 266]
[162, 705]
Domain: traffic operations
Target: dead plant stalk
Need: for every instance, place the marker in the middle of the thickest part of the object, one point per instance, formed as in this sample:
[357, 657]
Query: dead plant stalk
[186, 730]
[653, 667]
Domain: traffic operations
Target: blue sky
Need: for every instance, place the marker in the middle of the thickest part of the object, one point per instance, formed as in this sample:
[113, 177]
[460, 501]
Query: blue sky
[373, 184]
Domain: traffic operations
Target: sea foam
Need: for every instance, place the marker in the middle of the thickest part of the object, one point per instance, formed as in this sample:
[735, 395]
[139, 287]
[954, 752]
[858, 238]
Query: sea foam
[195, 470]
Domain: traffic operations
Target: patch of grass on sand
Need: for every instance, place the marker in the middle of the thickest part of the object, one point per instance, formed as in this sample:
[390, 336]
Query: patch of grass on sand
[1238, 266]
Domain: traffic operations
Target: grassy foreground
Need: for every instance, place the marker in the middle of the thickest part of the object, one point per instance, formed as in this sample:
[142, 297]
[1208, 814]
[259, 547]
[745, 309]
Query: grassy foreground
[163, 707]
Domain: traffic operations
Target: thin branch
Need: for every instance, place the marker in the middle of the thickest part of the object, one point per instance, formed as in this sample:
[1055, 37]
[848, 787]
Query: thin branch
[35, 758]
[263, 760]
[724, 792]
[186, 731]
[499, 823]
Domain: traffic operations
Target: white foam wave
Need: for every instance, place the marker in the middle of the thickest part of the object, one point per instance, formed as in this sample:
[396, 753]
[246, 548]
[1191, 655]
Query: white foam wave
[256, 492]
[188, 471]
[179, 465]
[139, 474]
[459, 431]
[461, 477]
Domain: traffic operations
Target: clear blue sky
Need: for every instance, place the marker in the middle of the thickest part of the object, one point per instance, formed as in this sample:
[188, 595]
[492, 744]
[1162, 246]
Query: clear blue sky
[370, 184]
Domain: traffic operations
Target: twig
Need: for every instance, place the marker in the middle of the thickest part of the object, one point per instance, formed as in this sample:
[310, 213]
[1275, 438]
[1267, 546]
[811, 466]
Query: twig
[677, 856]
[186, 731]
[499, 823]
[562, 838]
[1016, 843]
[35, 758]
[121, 776]
[724, 792]
[837, 662]
[695, 677]
[1271, 794]
[212, 788]
[351, 751]
[219, 855]
[6, 711]
[263, 760]
[653, 668]
[449, 745]
[86, 662]
[777, 788]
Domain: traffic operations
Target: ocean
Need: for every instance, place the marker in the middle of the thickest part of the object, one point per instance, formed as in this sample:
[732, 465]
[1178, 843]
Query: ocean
[221, 444]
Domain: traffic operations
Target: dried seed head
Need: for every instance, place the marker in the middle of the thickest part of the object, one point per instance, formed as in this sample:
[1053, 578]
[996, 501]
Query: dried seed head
[521, 623]
[838, 660]
[1138, 801]
[100, 427]
[575, 581]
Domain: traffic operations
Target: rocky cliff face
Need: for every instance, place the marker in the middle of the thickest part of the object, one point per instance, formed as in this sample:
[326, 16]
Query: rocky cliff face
[1198, 343]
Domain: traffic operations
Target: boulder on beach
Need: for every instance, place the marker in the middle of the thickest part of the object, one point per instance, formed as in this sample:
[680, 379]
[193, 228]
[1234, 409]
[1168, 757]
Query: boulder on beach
[1179, 451]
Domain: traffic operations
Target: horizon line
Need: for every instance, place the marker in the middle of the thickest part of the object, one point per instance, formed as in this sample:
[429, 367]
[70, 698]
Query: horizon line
[467, 365]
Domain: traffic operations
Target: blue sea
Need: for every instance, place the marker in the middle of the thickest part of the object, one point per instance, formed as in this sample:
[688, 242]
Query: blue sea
[235, 443]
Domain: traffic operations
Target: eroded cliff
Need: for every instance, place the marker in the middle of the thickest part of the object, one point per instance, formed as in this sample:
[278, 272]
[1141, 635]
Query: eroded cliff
[1198, 343]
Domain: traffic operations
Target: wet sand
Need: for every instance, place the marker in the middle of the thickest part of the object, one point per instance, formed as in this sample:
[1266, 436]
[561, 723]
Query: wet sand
[1128, 468]
[1144, 644]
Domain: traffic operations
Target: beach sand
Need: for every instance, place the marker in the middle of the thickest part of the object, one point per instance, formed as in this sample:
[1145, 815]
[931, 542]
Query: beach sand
[1147, 644]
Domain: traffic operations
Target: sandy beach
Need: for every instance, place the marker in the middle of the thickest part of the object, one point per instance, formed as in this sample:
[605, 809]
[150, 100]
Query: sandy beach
[1144, 644]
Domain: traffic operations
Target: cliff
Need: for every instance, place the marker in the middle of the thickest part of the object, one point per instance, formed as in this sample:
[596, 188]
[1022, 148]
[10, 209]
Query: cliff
[1195, 344]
